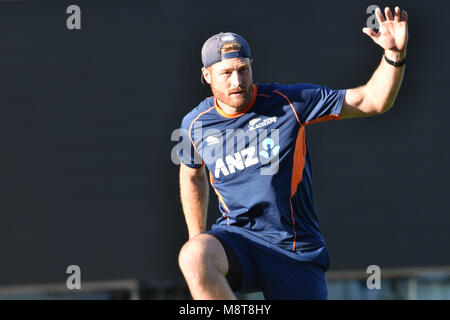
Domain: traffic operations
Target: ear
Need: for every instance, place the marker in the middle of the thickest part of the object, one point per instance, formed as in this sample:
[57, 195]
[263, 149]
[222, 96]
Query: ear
[207, 74]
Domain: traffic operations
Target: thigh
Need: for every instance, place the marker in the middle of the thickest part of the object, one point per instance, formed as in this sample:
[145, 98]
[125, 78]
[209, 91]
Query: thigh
[285, 278]
[242, 272]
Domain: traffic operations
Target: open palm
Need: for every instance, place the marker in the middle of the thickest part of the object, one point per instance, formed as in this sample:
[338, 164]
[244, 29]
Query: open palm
[393, 32]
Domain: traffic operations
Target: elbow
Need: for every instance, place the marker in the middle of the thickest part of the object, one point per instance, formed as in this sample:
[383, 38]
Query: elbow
[384, 108]
[380, 108]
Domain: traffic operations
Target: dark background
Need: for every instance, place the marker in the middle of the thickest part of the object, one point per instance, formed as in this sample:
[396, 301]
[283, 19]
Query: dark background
[86, 118]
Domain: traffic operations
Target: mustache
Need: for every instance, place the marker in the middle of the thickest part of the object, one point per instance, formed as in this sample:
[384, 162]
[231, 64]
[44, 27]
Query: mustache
[235, 90]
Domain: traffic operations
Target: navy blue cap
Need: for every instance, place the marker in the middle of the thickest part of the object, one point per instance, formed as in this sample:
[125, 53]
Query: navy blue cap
[211, 50]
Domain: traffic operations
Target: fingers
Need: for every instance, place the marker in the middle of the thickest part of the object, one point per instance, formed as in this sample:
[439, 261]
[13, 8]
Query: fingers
[400, 15]
[388, 13]
[397, 14]
[370, 32]
[404, 16]
[379, 16]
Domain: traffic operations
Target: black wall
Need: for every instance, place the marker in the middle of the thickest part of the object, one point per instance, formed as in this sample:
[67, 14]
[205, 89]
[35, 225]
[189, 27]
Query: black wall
[86, 117]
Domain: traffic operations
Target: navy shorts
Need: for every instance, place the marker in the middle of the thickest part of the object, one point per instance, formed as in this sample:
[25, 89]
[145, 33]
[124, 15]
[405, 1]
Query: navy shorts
[254, 267]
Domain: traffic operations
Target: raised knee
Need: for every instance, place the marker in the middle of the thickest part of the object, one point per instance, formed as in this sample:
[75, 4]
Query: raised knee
[191, 255]
[199, 254]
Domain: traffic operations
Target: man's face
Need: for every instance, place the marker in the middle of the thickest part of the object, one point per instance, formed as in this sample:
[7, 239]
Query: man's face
[231, 81]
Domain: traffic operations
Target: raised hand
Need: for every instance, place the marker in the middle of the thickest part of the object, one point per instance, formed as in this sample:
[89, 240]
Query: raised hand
[393, 32]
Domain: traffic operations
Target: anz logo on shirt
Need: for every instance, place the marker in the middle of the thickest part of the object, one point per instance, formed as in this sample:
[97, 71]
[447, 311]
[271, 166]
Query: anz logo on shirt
[256, 145]
[247, 158]
[269, 149]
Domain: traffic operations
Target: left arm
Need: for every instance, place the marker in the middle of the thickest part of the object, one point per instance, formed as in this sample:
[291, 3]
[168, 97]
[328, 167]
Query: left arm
[380, 92]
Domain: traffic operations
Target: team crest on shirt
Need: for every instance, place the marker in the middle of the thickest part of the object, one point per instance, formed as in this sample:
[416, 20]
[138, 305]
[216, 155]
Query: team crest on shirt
[257, 123]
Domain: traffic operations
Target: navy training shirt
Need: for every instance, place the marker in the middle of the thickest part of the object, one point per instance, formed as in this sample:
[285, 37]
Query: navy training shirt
[259, 165]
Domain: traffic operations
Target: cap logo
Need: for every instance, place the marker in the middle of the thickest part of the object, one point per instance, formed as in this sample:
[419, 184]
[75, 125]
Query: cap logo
[228, 38]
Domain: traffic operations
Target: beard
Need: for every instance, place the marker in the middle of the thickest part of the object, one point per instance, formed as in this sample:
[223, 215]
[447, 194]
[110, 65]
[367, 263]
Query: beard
[237, 97]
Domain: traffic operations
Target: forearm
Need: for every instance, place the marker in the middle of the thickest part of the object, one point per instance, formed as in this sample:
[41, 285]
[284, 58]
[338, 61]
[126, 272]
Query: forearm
[382, 88]
[379, 93]
[194, 194]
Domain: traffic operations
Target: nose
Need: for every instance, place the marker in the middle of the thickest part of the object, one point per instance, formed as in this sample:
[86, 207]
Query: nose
[236, 79]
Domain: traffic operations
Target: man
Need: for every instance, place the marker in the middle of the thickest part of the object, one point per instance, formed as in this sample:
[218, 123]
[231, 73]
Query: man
[268, 237]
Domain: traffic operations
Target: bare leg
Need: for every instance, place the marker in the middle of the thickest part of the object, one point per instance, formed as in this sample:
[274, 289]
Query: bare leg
[204, 265]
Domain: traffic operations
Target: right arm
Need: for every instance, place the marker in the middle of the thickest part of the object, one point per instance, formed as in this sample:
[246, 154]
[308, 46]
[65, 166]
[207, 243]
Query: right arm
[194, 194]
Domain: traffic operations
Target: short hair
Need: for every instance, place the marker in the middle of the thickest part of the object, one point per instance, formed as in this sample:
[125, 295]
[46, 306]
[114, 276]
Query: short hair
[230, 47]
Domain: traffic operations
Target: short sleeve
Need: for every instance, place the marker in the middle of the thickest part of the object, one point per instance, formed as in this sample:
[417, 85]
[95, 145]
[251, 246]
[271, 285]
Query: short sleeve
[317, 103]
[186, 151]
